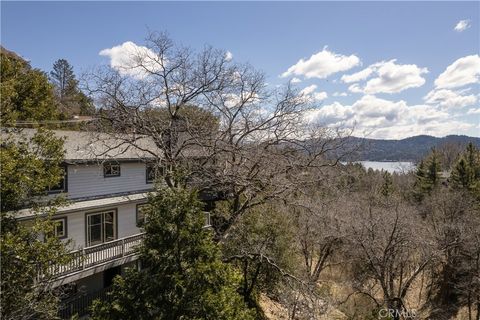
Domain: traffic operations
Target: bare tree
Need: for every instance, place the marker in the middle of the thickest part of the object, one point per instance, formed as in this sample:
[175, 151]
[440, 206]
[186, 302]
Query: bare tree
[453, 221]
[244, 152]
[390, 249]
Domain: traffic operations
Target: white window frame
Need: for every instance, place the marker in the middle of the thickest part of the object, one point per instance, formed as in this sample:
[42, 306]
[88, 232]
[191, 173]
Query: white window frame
[63, 222]
[117, 173]
[103, 224]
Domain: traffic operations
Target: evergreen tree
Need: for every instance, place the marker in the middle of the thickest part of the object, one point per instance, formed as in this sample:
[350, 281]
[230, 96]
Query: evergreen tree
[466, 172]
[387, 186]
[29, 166]
[433, 169]
[461, 174]
[71, 99]
[26, 93]
[419, 189]
[427, 176]
[63, 78]
[183, 275]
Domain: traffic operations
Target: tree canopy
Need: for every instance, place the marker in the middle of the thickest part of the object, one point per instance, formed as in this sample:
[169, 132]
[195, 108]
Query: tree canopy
[182, 275]
[26, 93]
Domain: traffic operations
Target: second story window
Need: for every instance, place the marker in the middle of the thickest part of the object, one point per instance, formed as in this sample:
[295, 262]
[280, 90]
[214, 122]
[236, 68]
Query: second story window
[153, 172]
[111, 170]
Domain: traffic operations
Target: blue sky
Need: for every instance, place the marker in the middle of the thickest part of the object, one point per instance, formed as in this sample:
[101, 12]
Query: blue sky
[403, 50]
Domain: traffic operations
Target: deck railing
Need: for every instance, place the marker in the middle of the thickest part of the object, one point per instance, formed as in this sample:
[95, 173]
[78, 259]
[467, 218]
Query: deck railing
[98, 254]
[80, 304]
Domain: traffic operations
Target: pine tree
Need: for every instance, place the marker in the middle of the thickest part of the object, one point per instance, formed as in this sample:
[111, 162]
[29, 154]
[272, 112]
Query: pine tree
[432, 176]
[461, 177]
[466, 172]
[427, 176]
[387, 186]
[183, 276]
[63, 78]
[71, 99]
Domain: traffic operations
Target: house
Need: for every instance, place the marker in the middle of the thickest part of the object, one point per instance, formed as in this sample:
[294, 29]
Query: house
[106, 183]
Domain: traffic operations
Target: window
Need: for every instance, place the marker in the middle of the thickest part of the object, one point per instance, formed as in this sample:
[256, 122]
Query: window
[62, 184]
[141, 215]
[111, 170]
[60, 230]
[101, 227]
[153, 171]
[207, 220]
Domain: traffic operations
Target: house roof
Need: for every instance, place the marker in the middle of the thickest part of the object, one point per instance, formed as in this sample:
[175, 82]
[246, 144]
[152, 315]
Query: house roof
[82, 146]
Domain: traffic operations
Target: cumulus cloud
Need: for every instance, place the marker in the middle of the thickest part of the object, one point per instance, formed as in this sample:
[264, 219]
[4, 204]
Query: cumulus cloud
[449, 99]
[473, 111]
[296, 80]
[340, 94]
[310, 94]
[462, 25]
[308, 90]
[332, 115]
[385, 119]
[355, 88]
[127, 57]
[322, 64]
[463, 71]
[389, 77]
[228, 56]
[361, 75]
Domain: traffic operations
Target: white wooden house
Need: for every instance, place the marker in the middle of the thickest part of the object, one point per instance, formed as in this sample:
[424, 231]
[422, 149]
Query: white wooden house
[106, 187]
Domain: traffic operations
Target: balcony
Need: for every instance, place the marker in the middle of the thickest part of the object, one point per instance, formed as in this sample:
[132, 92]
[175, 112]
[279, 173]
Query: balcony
[91, 258]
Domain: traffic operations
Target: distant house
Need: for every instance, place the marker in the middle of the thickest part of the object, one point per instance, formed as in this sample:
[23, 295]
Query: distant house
[106, 183]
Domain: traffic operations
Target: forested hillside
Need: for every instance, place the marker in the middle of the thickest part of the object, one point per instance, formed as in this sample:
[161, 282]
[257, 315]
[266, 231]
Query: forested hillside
[408, 149]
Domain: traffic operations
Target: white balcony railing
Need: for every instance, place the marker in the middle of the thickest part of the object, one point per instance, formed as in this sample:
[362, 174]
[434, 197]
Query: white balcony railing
[98, 254]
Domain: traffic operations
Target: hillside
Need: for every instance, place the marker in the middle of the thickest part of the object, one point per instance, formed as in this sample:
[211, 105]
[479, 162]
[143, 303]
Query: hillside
[409, 149]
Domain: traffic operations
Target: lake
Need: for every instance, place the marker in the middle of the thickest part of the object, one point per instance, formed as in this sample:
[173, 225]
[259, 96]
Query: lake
[390, 166]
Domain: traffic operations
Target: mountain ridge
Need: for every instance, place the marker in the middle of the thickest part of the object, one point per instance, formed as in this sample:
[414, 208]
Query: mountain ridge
[408, 149]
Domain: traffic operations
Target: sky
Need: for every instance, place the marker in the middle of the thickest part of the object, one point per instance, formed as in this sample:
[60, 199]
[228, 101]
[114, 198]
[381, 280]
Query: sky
[388, 69]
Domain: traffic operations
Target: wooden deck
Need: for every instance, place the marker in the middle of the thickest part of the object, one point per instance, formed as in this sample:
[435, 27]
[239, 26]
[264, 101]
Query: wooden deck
[93, 256]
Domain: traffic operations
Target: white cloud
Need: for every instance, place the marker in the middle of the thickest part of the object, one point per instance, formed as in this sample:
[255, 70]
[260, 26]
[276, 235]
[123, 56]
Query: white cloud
[389, 77]
[331, 114]
[473, 111]
[463, 71]
[319, 96]
[385, 119]
[296, 80]
[308, 90]
[126, 59]
[449, 99]
[393, 78]
[340, 94]
[228, 56]
[462, 25]
[322, 64]
[310, 94]
[361, 75]
[355, 88]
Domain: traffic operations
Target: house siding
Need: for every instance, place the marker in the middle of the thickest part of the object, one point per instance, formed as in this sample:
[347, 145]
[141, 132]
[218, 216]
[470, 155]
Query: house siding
[126, 224]
[87, 180]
